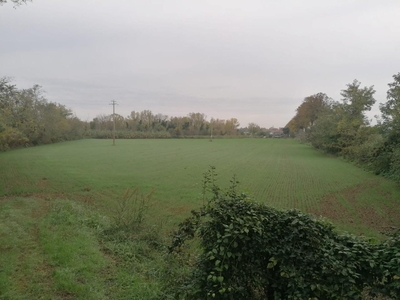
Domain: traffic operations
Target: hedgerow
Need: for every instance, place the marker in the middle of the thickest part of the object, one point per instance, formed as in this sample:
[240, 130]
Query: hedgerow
[251, 251]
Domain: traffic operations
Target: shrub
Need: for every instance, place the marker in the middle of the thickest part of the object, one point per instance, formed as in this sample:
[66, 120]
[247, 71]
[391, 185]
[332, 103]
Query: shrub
[394, 171]
[11, 138]
[251, 251]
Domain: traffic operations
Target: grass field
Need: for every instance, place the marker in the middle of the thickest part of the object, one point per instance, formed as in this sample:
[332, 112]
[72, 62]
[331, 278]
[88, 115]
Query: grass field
[280, 173]
[55, 199]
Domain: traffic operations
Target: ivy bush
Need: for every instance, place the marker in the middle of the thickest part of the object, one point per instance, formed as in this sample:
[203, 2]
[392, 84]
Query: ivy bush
[252, 251]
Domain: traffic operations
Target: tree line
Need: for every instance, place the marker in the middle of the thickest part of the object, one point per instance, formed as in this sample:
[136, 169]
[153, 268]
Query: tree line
[27, 118]
[146, 124]
[342, 128]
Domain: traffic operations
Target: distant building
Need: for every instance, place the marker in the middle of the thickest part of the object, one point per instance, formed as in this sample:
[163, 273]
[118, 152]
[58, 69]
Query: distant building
[276, 132]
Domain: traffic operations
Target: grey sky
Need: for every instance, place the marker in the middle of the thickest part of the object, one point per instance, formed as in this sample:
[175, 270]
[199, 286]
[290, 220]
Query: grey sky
[252, 60]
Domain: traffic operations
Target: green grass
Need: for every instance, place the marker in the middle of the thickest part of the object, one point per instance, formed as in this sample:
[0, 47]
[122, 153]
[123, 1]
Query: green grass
[57, 204]
[48, 252]
[280, 173]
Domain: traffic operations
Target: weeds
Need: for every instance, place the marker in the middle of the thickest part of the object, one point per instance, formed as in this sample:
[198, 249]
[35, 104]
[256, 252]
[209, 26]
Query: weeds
[131, 209]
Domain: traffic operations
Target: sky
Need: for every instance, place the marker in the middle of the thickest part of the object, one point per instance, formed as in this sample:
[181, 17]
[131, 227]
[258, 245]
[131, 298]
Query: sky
[254, 60]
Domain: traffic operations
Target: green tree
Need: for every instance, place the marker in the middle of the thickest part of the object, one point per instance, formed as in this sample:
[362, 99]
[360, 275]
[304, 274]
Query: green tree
[357, 100]
[308, 112]
[7, 93]
[350, 129]
[386, 158]
[341, 127]
[27, 118]
[391, 109]
[324, 134]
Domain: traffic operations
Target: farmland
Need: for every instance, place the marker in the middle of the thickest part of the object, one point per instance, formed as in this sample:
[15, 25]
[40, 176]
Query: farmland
[48, 192]
[280, 173]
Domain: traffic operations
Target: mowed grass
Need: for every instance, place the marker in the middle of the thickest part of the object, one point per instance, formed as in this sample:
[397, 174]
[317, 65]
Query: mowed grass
[48, 252]
[280, 173]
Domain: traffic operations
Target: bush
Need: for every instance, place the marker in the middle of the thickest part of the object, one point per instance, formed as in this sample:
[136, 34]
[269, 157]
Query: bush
[251, 251]
[394, 171]
[11, 138]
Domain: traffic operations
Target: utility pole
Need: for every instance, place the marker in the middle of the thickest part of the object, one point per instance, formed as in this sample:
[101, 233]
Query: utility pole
[211, 131]
[113, 103]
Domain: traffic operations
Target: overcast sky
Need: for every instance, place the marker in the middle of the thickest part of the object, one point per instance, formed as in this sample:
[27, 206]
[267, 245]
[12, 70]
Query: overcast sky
[252, 60]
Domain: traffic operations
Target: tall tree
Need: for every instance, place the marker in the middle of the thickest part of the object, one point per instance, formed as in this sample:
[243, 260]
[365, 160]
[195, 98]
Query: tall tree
[391, 109]
[311, 107]
[323, 135]
[197, 122]
[308, 112]
[387, 157]
[341, 126]
[146, 120]
[231, 126]
[357, 100]
[350, 129]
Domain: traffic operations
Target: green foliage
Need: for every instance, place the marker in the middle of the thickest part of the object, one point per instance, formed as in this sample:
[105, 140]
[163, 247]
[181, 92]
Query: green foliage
[308, 112]
[324, 134]
[394, 171]
[251, 251]
[145, 124]
[391, 109]
[388, 153]
[357, 100]
[12, 138]
[343, 129]
[27, 118]
[379, 153]
[342, 126]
